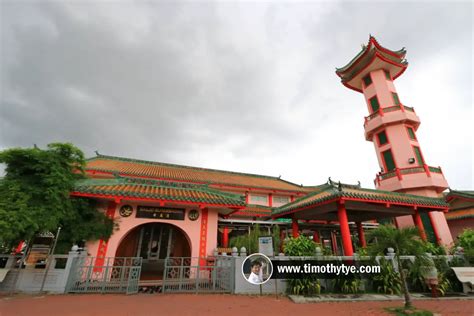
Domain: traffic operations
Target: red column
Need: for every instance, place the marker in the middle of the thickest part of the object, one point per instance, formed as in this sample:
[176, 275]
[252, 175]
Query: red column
[225, 237]
[361, 234]
[334, 243]
[294, 228]
[419, 224]
[435, 228]
[345, 231]
[316, 237]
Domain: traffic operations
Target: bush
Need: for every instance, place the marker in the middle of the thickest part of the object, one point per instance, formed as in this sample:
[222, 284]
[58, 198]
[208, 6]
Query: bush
[347, 284]
[388, 280]
[301, 246]
[466, 241]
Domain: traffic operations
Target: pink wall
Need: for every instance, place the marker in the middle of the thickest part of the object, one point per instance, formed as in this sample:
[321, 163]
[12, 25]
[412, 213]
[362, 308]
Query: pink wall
[458, 225]
[380, 86]
[192, 230]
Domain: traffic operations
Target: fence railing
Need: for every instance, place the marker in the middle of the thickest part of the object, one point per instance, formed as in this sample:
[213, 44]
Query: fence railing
[199, 274]
[18, 276]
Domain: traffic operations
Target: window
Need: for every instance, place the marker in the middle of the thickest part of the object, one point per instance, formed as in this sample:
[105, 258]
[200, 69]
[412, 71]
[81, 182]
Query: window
[382, 138]
[259, 199]
[367, 80]
[419, 157]
[396, 100]
[411, 133]
[388, 159]
[374, 104]
[387, 74]
[280, 200]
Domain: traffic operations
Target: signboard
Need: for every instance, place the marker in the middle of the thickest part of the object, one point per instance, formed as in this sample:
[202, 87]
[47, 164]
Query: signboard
[160, 212]
[265, 246]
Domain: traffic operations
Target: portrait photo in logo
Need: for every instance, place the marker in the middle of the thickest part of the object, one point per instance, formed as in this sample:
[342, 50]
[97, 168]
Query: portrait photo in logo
[257, 268]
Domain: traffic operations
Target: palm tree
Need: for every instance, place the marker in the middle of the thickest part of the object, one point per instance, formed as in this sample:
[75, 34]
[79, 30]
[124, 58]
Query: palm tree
[404, 241]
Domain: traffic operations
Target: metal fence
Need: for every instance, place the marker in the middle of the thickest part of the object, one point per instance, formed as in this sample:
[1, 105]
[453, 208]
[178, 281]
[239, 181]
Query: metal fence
[199, 275]
[104, 275]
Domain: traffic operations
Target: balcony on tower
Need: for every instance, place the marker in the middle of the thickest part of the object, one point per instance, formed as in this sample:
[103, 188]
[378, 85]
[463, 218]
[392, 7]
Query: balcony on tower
[386, 116]
[409, 178]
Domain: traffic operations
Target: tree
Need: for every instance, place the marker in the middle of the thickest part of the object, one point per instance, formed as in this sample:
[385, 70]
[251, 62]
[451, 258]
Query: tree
[35, 196]
[466, 241]
[404, 241]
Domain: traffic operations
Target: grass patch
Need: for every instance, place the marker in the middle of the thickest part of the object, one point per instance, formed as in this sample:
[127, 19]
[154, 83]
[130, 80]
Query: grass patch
[402, 311]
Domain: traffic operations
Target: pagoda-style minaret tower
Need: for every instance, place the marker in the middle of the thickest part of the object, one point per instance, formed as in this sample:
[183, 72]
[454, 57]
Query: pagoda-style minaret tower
[392, 127]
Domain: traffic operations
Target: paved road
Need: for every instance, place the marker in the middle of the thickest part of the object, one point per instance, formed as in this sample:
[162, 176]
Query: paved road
[191, 304]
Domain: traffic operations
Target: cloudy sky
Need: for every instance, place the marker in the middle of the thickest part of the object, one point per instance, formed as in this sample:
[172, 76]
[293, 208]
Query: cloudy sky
[244, 86]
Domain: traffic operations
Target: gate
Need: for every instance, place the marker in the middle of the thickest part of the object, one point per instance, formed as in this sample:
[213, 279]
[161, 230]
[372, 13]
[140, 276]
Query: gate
[199, 275]
[104, 275]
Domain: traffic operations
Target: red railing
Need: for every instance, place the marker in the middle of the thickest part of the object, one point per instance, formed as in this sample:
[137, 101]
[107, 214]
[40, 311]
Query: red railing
[400, 172]
[389, 109]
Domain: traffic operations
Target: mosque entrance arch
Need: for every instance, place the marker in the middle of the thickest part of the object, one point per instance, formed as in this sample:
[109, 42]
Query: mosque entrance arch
[154, 242]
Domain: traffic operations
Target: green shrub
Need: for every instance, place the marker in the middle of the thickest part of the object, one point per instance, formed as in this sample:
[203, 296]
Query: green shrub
[300, 246]
[349, 284]
[307, 286]
[388, 280]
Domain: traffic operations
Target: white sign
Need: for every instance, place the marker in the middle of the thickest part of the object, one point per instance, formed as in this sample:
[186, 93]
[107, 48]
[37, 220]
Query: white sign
[265, 246]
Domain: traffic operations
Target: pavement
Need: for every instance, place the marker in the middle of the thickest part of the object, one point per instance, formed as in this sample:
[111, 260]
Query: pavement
[208, 304]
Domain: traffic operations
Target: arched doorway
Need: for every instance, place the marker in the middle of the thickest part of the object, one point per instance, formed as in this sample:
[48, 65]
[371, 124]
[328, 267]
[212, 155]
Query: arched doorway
[154, 242]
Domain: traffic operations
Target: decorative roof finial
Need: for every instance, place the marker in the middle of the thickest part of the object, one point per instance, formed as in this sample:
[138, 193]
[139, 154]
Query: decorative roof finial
[339, 186]
[96, 152]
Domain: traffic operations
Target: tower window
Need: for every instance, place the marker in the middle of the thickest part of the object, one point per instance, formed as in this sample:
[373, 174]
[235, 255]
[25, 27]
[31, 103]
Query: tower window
[382, 137]
[374, 104]
[419, 157]
[388, 160]
[367, 80]
[396, 100]
[387, 75]
[411, 133]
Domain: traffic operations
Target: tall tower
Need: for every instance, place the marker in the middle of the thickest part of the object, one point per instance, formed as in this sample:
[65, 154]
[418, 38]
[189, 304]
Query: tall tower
[392, 126]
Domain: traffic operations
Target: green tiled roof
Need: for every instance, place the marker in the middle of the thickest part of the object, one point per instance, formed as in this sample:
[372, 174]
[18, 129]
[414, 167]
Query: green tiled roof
[160, 190]
[333, 191]
[401, 53]
[463, 193]
[172, 172]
